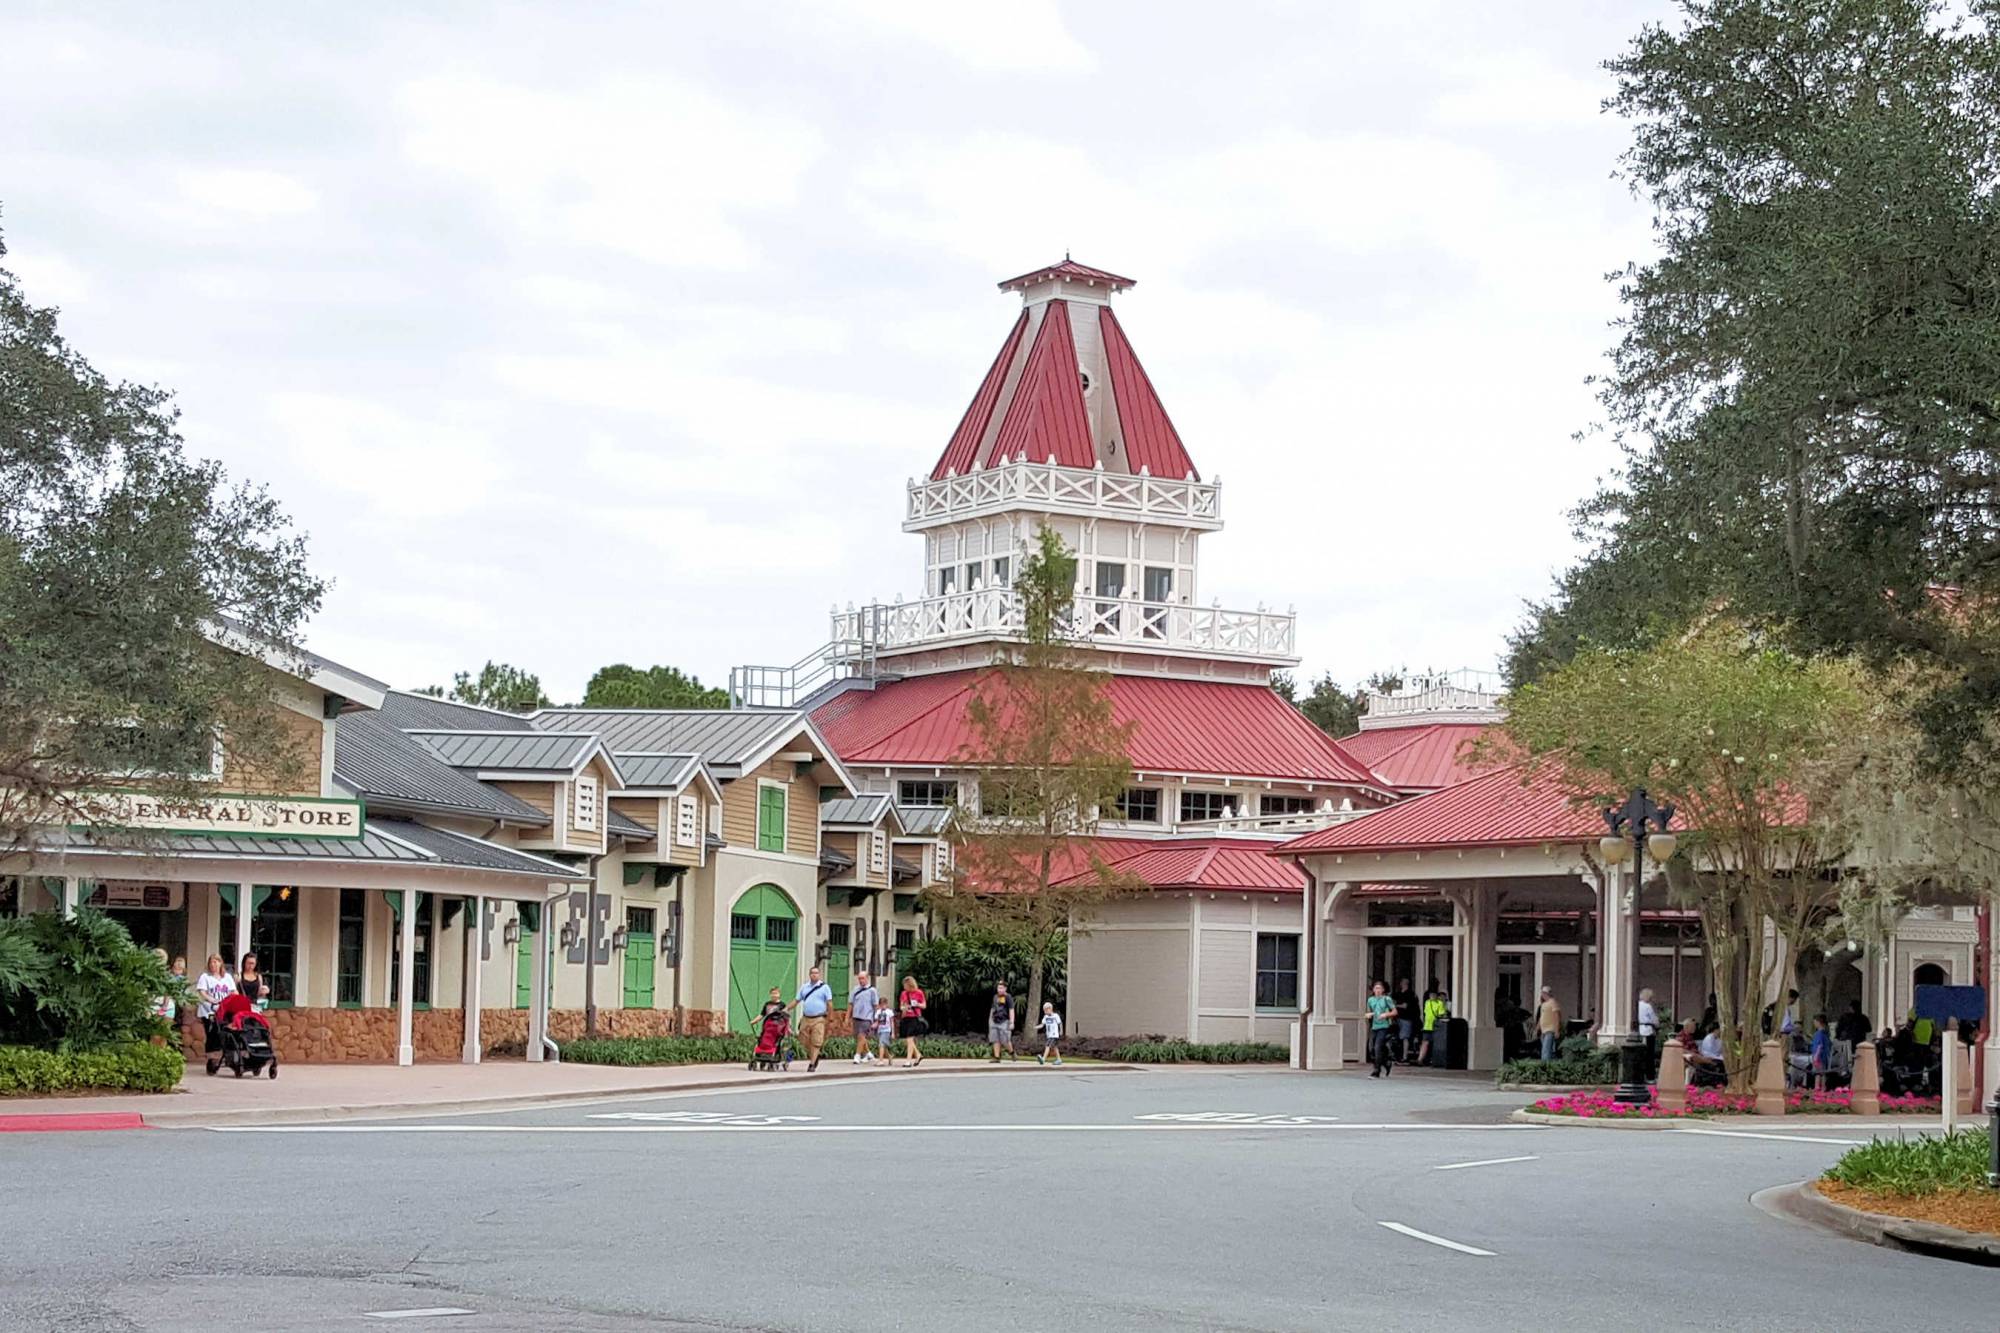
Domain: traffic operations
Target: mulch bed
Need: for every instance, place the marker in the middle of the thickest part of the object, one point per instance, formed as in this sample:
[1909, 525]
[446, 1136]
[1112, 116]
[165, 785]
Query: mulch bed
[1974, 1210]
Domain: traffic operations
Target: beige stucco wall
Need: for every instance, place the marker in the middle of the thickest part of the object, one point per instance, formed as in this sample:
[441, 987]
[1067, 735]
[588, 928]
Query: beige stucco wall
[1130, 973]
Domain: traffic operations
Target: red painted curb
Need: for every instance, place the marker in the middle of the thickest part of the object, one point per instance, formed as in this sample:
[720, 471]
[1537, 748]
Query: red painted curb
[39, 1124]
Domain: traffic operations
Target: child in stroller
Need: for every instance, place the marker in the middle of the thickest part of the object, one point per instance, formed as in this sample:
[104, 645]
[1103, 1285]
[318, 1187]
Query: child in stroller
[774, 1035]
[243, 1039]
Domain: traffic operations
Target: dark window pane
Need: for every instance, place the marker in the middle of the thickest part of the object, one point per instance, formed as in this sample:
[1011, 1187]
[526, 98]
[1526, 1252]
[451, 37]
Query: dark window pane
[779, 930]
[742, 927]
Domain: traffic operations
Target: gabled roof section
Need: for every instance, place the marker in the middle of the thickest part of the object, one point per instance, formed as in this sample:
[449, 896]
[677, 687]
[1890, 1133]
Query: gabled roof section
[510, 752]
[1070, 270]
[1151, 442]
[1046, 418]
[924, 821]
[729, 741]
[627, 827]
[860, 812]
[322, 673]
[1242, 865]
[663, 774]
[1421, 758]
[1517, 806]
[376, 761]
[964, 446]
[1199, 728]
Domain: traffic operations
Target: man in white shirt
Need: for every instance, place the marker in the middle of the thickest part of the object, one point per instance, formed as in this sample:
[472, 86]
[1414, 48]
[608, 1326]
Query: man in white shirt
[1649, 1026]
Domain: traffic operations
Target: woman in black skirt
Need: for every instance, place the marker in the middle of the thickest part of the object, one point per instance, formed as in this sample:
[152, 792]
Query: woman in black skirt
[910, 1020]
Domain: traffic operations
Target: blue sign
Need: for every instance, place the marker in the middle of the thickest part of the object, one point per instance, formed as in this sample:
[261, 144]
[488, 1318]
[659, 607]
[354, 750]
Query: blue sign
[1965, 1003]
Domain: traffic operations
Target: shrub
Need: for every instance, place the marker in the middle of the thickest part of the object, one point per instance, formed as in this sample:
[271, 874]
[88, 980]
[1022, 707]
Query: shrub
[1176, 1051]
[133, 1066]
[77, 984]
[1927, 1164]
[734, 1048]
[1590, 1065]
[958, 972]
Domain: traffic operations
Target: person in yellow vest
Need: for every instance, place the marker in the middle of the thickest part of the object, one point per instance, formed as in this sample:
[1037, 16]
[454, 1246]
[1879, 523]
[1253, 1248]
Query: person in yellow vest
[1437, 1008]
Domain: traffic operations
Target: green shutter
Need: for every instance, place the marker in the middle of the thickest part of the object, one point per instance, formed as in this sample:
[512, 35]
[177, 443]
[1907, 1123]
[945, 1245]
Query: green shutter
[524, 967]
[770, 819]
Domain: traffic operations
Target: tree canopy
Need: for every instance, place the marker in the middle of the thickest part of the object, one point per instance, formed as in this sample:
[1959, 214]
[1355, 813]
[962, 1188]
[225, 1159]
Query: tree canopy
[497, 685]
[1328, 705]
[122, 560]
[1051, 754]
[1806, 385]
[622, 686]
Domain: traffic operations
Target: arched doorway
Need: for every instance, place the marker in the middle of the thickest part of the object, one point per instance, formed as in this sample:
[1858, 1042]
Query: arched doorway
[763, 952]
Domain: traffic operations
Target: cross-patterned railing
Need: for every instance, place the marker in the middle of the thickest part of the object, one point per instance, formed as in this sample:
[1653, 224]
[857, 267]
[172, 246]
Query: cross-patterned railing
[1109, 621]
[1020, 484]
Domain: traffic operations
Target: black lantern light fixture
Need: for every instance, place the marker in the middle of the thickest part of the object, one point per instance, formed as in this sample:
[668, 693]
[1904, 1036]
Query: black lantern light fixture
[1639, 828]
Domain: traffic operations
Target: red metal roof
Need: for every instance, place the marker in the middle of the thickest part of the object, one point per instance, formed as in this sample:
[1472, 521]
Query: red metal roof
[1420, 758]
[964, 446]
[1208, 728]
[1046, 418]
[1072, 270]
[1498, 809]
[1151, 442]
[1232, 864]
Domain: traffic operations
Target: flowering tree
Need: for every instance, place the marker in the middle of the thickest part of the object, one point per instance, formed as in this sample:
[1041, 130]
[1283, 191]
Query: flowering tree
[1737, 736]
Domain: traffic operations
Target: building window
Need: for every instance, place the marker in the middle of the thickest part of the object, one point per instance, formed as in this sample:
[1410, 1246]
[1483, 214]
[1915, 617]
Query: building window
[129, 749]
[770, 818]
[1277, 972]
[947, 581]
[586, 804]
[1003, 570]
[942, 859]
[779, 929]
[352, 947]
[274, 938]
[1139, 805]
[1003, 798]
[906, 940]
[878, 852]
[1285, 805]
[1200, 805]
[928, 792]
[420, 961]
[743, 926]
[687, 820]
[972, 577]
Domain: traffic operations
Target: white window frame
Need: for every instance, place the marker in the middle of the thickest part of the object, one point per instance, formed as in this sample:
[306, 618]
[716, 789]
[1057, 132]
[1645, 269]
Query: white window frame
[687, 820]
[1159, 806]
[1229, 800]
[905, 783]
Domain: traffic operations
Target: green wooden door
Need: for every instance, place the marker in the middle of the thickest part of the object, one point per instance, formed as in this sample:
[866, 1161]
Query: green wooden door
[839, 953]
[640, 949]
[524, 955]
[763, 952]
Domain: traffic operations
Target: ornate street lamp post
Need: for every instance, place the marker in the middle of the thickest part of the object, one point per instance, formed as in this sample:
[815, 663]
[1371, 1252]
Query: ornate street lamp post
[1638, 828]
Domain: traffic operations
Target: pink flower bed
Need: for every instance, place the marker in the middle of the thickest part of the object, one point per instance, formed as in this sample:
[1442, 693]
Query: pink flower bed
[1598, 1103]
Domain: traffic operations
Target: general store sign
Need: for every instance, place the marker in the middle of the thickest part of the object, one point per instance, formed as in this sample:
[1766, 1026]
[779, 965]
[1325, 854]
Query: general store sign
[232, 815]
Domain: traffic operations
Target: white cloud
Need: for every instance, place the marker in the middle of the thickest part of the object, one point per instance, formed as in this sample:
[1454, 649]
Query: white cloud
[650, 168]
[393, 465]
[1025, 36]
[232, 193]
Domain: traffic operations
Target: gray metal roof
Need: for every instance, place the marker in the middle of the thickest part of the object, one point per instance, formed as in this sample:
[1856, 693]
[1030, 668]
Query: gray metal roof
[854, 810]
[924, 820]
[833, 862]
[422, 712]
[380, 764]
[656, 772]
[460, 850]
[627, 827]
[395, 841]
[510, 751]
[725, 738]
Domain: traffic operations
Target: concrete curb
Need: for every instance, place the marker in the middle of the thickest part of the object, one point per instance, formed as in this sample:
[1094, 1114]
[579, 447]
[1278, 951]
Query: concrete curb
[1528, 1117]
[1804, 1203]
[1869, 1126]
[295, 1115]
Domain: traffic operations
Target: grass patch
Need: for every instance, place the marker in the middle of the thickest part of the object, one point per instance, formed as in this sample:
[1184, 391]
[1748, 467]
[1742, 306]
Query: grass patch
[1916, 1168]
[1203, 1053]
[132, 1066]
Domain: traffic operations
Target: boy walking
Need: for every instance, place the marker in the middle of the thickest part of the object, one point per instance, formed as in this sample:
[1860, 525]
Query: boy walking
[1000, 1023]
[1051, 1025]
[861, 1004]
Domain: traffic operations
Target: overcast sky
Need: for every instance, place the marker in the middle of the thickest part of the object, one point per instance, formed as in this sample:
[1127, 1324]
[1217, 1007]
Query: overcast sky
[575, 334]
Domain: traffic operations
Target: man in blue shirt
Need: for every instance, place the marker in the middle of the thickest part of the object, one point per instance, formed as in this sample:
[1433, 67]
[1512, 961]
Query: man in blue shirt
[814, 998]
[861, 1012]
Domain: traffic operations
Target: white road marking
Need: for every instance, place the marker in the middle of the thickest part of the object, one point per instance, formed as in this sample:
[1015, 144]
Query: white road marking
[1154, 1128]
[1241, 1117]
[1412, 1232]
[431, 1312]
[1778, 1138]
[1491, 1161]
[703, 1117]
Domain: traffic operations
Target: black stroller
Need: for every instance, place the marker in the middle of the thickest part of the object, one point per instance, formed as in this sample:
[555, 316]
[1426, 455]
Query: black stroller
[242, 1039]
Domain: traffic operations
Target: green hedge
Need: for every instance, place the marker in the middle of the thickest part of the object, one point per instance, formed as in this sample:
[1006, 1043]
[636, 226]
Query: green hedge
[1587, 1071]
[1210, 1053]
[1928, 1164]
[135, 1066]
[735, 1049]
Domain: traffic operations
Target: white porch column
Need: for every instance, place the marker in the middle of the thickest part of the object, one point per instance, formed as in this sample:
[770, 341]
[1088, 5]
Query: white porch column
[1615, 1002]
[70, 894]
[1480, 941]
[538, 983]
[1322, 1044]
[406, 978]
[246, 895]
[474, 920]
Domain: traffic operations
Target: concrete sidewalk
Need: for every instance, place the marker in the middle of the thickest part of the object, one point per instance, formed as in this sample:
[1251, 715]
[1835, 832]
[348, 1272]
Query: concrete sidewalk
[340, 1092]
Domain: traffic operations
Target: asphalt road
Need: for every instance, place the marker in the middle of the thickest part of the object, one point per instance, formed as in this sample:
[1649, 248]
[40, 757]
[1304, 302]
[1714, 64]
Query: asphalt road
[1019, 1199]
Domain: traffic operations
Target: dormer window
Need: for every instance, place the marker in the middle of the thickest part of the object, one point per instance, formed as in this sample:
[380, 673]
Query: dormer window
[1083, 376]
[586, 804]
